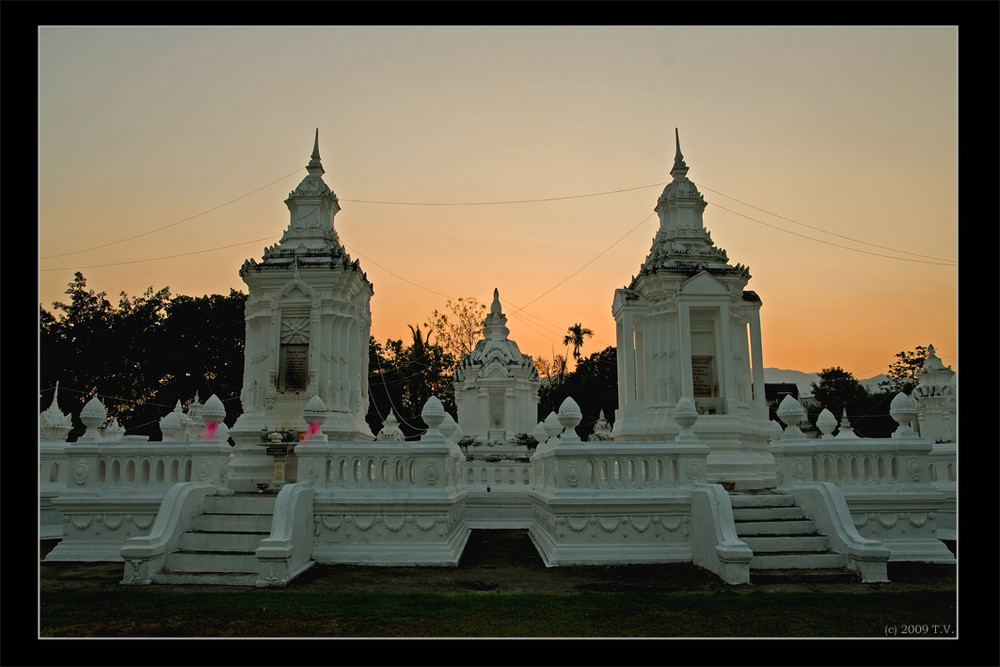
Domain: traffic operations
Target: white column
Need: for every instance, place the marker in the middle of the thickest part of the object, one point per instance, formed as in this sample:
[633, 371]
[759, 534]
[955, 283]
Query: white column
[727, 374]
[687, 382]
[641, 360]
[627, 361]
[757, 351]
[508, 412]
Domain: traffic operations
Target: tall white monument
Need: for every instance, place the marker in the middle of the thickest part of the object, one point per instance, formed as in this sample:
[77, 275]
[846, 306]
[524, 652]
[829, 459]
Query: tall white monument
[308, 322]
[496, 386]
[935, 400]
[687, 327]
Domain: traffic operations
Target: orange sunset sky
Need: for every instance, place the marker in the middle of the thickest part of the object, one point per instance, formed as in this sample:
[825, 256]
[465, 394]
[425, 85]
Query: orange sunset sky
[828, 157]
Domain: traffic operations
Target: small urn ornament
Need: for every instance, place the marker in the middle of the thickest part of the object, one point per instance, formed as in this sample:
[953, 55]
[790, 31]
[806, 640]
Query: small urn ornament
[685, 416]
[448, 426]
[433, 415]
[213, 412]
[552, 427]
[93, 417]
[569, 416]
[903, 410]
[315, 414]
[826, 423]
[791, 412]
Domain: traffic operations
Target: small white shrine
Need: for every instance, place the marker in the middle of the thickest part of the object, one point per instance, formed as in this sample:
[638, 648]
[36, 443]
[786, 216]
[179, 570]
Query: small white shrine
[687, 327]
[935, 402]
[308, 323]
[496, 386]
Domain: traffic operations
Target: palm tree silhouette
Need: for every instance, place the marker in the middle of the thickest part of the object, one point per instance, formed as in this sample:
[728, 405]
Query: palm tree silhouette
[575, 337]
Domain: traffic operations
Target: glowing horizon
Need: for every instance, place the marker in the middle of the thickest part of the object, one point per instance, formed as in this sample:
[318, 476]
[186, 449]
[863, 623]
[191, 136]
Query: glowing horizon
[828, 158]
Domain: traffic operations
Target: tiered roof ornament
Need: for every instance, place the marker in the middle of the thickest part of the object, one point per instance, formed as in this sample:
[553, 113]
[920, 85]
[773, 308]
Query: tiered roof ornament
[682, 244]
[54, 425]
[311, 240]
[495, 346]
[935, 378]
[496, 386]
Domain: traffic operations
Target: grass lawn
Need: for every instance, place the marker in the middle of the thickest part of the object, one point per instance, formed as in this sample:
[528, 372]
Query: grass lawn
[151, 612]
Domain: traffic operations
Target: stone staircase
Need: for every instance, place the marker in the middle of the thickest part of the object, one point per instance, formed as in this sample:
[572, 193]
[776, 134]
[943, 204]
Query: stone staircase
[786, 545]
[220, 547]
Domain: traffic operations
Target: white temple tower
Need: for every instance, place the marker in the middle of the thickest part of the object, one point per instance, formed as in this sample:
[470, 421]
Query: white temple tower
[686, 327]
[496, 386]
[935, 400]
[308, 322]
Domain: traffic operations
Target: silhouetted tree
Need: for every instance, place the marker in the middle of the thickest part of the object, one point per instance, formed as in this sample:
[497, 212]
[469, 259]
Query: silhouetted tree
[575, 337]
[94, 349]
[402, 378]
[868, 413]
[903, 371]
[838, 389]
[141, 357]
[202, 351]
[458, 330]
[593, 385]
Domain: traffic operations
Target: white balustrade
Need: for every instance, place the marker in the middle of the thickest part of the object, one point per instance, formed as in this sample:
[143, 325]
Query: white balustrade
[498, 475]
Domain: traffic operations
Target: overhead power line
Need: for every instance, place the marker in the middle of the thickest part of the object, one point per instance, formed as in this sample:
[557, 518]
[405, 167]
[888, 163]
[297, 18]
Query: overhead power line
[172, 224]
[585, 265]
[835, 245]
[157, 259]
[505, 201]
[937, 260]
[848, 238]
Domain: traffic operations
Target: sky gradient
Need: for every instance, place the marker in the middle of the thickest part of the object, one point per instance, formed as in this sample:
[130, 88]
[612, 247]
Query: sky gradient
[827, 155]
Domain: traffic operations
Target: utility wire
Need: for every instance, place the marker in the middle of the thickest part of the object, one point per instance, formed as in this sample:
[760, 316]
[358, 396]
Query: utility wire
[173, 224]
[495, 203]
[939, 261]
[587, 264]
[818, 229]
[389, 271]
[835, 245]
[156, 259]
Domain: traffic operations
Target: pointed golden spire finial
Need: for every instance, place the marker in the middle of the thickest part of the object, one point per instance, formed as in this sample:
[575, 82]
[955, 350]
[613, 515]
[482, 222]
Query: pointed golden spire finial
[680, 169]
[315, 166]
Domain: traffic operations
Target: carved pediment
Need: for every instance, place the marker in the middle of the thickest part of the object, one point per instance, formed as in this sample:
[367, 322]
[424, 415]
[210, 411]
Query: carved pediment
[296, 290]
[496, 368]
[703, 284]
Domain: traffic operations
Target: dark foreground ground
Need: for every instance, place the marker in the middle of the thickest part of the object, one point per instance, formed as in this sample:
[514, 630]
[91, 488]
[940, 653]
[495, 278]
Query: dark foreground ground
[500, 590]
[505, 562]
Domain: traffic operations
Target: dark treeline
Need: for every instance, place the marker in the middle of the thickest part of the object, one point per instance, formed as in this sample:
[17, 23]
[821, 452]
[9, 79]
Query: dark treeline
[593, 384]
[147, 353]
[141, 356]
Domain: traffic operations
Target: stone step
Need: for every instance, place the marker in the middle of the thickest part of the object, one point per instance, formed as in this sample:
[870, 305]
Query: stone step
[241, 504]
[840, 575]
[761, 500]
[228, 542]
[798, 561]
[206, 578]
[184, 561]
[768, 513]
[794, 527]
[232, 523]
[785, 543]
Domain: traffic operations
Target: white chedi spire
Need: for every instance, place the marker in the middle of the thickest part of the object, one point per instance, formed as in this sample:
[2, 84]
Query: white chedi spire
[495, 347]
[53, 424]
[495, 327]
[390, 430]
[175, 425]
[310, 238]
[682, 244]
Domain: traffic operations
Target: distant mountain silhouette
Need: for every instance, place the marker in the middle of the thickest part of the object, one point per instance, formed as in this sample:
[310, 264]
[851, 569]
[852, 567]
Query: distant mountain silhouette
[800, 379]
[804, 381]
